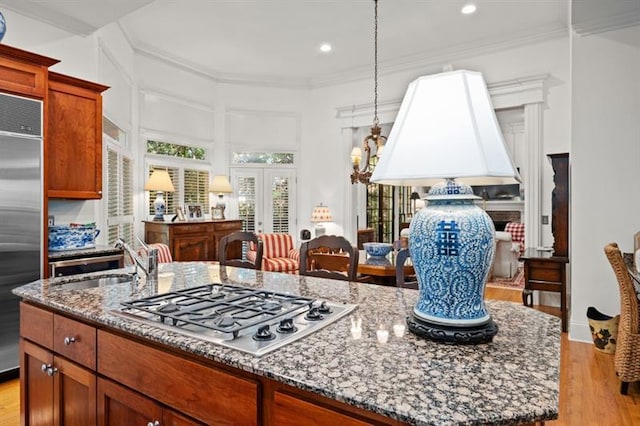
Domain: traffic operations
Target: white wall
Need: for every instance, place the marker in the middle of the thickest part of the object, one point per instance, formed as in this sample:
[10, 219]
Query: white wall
[605, 166]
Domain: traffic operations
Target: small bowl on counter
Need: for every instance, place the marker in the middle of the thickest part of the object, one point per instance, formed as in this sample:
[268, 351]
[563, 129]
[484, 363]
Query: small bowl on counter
[377, 249]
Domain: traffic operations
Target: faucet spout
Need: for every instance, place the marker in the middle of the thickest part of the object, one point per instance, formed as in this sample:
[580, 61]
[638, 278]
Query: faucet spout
[148, 263]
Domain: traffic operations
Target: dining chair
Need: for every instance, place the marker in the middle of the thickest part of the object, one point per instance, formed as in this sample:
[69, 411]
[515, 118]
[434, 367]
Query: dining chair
[329, 256]
[401, 258]
[233, 243]
[627, 355]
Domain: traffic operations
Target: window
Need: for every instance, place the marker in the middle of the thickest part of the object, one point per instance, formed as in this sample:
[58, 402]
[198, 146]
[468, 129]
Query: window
[119, 203]
[262, 158]
[189, 174]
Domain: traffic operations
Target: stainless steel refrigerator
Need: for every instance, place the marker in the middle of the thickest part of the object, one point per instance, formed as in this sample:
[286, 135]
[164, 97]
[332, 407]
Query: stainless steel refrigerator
[21, 219]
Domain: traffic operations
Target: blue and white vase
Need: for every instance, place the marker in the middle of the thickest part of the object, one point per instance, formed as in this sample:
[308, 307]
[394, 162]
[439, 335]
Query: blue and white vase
[452, 245]
[3, 26]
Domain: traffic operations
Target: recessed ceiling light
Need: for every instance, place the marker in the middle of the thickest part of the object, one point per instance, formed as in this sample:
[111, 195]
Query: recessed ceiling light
[325, 47]
[468, 9]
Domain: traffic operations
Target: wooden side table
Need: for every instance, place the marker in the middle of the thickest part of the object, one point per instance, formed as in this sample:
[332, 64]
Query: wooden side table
[545, 272]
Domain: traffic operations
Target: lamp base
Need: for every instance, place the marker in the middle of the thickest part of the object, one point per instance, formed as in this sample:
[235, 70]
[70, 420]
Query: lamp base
[158, 218]
[453, 335]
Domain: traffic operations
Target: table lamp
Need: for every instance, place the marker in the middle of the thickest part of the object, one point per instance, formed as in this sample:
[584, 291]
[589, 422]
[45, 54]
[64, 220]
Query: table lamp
[221, 186]
[159, 181]
[446, 129]
[319, 215]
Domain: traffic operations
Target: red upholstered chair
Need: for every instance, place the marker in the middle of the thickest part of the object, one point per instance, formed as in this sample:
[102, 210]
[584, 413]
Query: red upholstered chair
[517, 233]
[278, 253]
[164, 253]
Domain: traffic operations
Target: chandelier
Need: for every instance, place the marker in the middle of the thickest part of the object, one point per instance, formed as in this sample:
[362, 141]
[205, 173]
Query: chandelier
[363, 174]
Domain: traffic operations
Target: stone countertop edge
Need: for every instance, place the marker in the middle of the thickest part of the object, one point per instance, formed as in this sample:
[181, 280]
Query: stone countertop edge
[96, 251]
[512, 380]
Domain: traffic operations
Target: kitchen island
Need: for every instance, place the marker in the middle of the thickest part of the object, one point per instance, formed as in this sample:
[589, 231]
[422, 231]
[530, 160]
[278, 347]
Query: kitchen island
[332, 376]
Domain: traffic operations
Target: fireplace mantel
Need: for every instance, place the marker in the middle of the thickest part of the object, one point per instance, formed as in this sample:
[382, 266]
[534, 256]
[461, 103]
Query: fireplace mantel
[501, 205]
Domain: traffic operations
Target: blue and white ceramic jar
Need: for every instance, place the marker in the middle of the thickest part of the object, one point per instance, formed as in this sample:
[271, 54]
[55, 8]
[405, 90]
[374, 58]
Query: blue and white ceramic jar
[3, 26]
[452, 246]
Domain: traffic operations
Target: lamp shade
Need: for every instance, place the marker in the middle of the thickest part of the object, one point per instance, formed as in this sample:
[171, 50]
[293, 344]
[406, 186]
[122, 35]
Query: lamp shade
[446, 128]
[220, 185]
[159, 181]
[321, 214]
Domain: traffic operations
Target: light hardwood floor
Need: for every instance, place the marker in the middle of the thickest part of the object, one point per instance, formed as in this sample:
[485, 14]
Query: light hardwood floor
[589, 388]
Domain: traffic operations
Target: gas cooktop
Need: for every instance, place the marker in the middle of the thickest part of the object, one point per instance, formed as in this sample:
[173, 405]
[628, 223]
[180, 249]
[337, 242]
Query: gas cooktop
[251, 320]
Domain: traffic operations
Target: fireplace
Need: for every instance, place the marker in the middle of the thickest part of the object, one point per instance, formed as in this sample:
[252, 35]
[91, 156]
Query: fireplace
[501, 218]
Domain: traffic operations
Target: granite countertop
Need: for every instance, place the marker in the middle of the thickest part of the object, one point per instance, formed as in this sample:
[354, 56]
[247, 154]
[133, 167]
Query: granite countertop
[96, 251]
[514, 379]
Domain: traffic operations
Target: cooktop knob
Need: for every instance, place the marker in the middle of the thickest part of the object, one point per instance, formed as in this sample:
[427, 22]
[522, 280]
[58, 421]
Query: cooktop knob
[314, 314]
[324, 309]
[286, 326]
[264, 333]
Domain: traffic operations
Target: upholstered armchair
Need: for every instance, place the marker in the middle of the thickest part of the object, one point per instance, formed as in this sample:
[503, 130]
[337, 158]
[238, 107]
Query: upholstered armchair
[517, 234]
[278, 253]
[505, 261]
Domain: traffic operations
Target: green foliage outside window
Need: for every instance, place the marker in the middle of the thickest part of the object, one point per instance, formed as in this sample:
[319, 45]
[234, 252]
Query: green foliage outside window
[175, 150]
[262, 158]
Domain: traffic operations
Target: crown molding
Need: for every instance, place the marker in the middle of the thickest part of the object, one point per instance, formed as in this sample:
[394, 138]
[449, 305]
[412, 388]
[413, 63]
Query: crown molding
[436, 58]
[603, 24]
[39, 11]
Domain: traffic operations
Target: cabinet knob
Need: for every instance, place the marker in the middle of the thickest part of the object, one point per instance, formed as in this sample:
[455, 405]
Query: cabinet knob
[69, 340]
[49, 369]
[154, 423]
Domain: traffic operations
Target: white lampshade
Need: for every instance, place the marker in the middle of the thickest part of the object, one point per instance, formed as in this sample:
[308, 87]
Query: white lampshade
[159, 181]
[446, 128]
[321, 214]
[220, 185]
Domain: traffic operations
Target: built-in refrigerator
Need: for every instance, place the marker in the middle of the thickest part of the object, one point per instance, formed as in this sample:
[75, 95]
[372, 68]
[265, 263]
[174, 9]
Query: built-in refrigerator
[21, 220]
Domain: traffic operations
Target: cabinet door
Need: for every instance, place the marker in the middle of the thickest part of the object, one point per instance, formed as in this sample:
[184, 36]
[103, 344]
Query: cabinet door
[172, 418]
[36, 386]
[23, 72]
[192, 247]
[118, 406]
[74, 394]
[74, 139]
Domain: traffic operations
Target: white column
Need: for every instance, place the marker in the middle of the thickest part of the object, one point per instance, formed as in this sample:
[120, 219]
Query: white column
[533, 173]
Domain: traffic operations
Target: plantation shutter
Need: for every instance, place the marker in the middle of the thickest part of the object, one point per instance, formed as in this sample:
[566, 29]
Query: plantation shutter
[280, 200]
[119, 197]
[247, 202]
[196, 188]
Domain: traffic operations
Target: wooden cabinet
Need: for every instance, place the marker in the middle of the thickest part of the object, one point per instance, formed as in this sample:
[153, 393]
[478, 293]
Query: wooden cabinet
[118, 405]
[54, 390]
[288, 410]
[73, 147]
[23, 73]
[544, 270]
[191, 240]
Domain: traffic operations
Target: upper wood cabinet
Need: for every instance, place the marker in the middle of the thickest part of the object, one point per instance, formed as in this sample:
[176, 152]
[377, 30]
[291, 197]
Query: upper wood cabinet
[23, 73]
[73, 149]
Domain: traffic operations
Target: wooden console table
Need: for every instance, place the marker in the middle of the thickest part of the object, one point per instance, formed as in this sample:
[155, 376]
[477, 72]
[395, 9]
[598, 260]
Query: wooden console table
[546, 272]
[198, 240]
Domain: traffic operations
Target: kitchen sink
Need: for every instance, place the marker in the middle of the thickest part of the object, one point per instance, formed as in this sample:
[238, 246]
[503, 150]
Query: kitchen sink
[95, 282]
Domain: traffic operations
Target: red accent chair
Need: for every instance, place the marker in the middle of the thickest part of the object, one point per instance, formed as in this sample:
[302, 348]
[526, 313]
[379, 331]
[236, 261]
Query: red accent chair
[278, 253]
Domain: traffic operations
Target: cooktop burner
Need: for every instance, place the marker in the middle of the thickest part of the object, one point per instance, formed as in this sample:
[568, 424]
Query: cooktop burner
[255, 321]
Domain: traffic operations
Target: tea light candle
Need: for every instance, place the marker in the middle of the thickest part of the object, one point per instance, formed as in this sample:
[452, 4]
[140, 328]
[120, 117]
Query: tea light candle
[398, 330]
[356, 333]
[383, 336]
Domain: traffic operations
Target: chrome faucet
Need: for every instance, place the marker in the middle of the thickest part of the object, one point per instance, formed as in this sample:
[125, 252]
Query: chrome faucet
[149, 264]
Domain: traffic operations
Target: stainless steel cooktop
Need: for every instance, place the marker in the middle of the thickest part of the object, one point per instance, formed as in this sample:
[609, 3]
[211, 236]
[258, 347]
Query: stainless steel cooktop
[251, 320]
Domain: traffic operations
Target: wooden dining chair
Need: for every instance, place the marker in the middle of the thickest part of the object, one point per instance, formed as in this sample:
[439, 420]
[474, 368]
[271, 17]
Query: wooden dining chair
[401, 280]
[232, 244]
[329, 256]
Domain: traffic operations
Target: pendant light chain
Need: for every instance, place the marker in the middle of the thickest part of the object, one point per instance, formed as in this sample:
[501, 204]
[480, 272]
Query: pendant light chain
[376, 121]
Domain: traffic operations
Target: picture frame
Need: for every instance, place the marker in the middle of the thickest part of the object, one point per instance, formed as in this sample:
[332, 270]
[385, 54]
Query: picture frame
[180, 214]
[194, 212]
[217, 213]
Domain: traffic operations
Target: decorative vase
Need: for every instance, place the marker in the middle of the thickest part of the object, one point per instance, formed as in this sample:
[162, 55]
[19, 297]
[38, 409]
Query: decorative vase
[3, 26]
[604, 330]
[452, 246]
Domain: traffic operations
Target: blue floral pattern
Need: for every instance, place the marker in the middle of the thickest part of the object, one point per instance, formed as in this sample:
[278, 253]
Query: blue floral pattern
[72, 237]
[452, 246]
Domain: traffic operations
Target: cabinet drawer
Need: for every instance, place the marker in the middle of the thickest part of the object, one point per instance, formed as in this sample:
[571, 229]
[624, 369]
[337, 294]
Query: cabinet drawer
[192, 229]
[549, 271]
[22, 78]
[289, 410]
[75, 340]
[226, 226]
[205, 393]
[36, 325]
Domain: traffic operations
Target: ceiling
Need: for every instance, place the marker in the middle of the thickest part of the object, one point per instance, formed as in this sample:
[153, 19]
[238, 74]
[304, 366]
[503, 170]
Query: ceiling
[278, 41]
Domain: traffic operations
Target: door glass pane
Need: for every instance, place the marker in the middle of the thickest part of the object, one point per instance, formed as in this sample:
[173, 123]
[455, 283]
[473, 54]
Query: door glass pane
[280, 200]
[247, 202]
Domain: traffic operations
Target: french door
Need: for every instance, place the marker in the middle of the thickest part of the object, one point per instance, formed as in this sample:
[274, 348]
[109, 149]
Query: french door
[265, 199]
